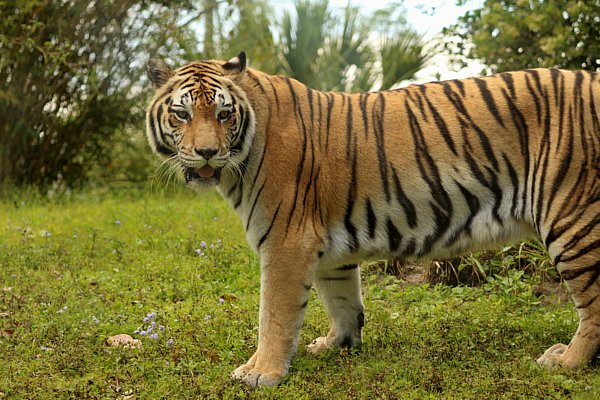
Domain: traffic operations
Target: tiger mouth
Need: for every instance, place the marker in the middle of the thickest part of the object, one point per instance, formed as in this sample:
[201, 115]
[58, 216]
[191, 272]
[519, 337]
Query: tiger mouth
[206, 174]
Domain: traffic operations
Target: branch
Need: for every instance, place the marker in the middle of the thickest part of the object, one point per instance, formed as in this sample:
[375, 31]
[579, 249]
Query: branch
[202, 12]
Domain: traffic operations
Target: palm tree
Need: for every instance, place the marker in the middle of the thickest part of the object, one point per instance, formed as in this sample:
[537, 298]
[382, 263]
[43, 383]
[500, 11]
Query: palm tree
[348, 55]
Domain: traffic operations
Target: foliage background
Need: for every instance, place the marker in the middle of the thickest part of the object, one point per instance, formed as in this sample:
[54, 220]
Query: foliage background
[516, 34]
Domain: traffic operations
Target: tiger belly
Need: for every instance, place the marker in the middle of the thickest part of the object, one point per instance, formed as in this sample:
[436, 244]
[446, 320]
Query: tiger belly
[482, 232]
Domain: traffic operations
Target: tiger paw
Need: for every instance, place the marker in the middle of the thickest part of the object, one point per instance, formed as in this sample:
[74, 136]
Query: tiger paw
[553, 356]
[255, 377]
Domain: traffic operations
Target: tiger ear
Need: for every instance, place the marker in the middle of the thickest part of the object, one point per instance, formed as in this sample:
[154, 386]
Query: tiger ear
[236, 67]
[158, 72]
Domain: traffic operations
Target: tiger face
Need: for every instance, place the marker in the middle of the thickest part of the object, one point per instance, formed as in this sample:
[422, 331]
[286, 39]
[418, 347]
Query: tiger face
[198, 117]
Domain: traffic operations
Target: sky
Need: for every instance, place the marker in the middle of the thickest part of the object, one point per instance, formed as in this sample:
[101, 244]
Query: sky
[427, 18]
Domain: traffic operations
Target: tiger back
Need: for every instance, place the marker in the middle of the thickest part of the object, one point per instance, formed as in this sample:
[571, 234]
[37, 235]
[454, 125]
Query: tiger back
[322, 181]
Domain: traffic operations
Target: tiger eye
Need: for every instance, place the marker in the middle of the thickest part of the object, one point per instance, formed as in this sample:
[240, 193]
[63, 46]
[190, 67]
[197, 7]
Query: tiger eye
[224, 115]
[182, 115]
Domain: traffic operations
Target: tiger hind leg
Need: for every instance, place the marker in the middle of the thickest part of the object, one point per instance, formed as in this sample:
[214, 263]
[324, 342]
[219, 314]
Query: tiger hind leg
[580, 269]
[339, 291]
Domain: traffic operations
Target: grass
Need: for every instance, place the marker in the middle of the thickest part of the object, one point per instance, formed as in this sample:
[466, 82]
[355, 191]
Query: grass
[76, 270]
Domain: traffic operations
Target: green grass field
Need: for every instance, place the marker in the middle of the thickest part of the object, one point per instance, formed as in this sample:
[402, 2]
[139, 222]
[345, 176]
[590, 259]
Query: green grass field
[173, 270]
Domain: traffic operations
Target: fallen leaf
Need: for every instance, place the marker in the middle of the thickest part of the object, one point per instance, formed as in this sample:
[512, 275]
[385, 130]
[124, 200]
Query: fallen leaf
[6, 333]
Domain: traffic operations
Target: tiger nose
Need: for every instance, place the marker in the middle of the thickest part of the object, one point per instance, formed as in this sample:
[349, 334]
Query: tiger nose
[206, 153]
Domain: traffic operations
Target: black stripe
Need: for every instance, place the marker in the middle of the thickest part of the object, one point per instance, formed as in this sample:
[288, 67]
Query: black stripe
[330, 101]
[407, 205]
[238, 201]
[254, 205]
[576, 273]
[394, 237]
[538, 107]
[266, 234]
[510, 83]
[554, 75]
[491, 184]
[310, 136]
[347, 267]
[542, 162]
[523, 133]
[158, 134]
[441, 124]
[570, 274]
[349, 124]
[588, 303]
[309, 96]
[187, 86]
[379, 139]
[559, 95]
[575, 216]
[257, 82]
[461, 86]
[488, 98]
[409, 248]
[274, 90]
[316, 205]
[564, 166]
[442, 221]
[472, 202]
[240, 134]
[320, 119]
[233, 188]
[362, 103]
[160, 148]
[581, 252]
[514, 180]
[371, 219]
[418, 100]
[595, 119]
[474, 205]
[353, 243]
[536, 78]
[427, 166]
[578, 89]
[581, 233]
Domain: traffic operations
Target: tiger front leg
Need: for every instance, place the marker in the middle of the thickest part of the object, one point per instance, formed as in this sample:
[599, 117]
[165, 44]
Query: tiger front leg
[284, 292]
[339, 291]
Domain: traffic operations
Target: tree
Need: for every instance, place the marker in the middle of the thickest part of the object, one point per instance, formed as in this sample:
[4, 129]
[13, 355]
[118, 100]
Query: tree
[250, 30]
[70, 80]
[516, 34]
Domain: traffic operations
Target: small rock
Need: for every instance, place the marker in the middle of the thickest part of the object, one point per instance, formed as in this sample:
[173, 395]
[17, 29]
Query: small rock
[124, 340]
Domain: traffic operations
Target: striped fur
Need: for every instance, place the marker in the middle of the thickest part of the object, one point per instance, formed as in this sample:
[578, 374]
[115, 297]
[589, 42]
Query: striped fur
[322, 181]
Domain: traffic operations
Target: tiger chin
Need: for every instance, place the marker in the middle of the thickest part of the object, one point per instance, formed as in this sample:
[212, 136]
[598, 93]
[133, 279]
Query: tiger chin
[322, 181]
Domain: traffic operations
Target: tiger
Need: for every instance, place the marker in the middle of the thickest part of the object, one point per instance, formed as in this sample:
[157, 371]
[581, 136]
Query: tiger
[322, 181]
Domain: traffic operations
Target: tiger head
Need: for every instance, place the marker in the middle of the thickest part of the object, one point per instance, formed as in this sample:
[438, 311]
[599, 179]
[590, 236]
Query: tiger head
[200, 118]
